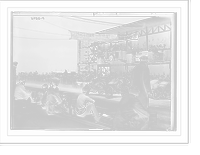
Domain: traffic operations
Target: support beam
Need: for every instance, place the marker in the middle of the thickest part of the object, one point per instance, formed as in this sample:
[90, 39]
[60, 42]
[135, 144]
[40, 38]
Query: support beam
[147, 40]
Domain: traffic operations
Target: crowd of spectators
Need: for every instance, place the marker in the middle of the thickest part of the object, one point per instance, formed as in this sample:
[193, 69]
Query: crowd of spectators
[159, 42]
[160, 77]
[65, 77]
[73, 77]
[155, 42]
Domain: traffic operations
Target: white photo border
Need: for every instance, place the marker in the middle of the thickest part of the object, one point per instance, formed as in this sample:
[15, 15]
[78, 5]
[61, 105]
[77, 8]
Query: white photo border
[181, 136]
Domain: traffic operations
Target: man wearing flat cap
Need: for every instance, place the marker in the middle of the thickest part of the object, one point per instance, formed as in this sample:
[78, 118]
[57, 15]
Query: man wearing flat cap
[21, 92]
[53, 98]
[131, 115]
[140, 77]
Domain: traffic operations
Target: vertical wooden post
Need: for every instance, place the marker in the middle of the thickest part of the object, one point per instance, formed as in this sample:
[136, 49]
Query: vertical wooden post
[126, 65]
[88, 62]
[173, 71]
[170, 48]
[12, 86]
[147, 39]
[170, 69]
[12, 74]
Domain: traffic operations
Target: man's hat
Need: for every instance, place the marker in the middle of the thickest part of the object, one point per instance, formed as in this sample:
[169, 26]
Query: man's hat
[143, 58]
[134, 90]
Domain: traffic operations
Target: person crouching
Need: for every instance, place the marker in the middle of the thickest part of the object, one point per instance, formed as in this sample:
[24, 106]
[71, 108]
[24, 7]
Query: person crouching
[53, 98]
[41, 93]
[131, 114]
[85, 106]
[21, 92]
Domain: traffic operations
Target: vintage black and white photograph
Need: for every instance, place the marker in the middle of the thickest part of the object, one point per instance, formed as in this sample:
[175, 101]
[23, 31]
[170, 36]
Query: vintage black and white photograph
[105, 71]
[95, 73]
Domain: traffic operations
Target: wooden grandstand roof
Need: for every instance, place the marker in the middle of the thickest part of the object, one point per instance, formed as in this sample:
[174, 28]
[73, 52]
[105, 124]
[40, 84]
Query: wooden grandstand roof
[138, 25]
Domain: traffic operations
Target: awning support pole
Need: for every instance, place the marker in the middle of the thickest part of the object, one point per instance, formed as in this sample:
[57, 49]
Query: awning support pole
[147, 39]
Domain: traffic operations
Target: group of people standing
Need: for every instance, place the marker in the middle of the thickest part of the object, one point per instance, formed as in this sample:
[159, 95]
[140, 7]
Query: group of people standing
[135, 96]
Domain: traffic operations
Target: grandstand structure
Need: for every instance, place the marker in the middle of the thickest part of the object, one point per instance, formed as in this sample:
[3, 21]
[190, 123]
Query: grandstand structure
[155, 41]
[87, 57]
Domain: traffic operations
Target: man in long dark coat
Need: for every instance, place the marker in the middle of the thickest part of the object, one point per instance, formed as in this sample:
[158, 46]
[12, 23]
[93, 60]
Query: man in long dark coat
[140, 77]
[131, 115]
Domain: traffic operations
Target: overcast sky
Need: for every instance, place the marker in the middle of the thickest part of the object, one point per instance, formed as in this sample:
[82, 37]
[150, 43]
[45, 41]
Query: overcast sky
[44, 46]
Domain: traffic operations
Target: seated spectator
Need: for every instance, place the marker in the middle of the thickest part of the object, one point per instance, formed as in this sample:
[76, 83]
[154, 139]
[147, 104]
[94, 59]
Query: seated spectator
[53, 98]
[44, 97]
[45, 87]
[85, 104]
[41, 94]
[39, 97]
[21, 92]
[65, 103]
[131, 115]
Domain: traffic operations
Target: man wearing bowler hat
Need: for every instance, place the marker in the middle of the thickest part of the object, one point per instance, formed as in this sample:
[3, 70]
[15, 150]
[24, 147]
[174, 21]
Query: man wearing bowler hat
[140, 77]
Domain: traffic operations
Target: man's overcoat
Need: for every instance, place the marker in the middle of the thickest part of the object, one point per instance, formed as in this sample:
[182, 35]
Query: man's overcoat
[140, 77]
[131, 115]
